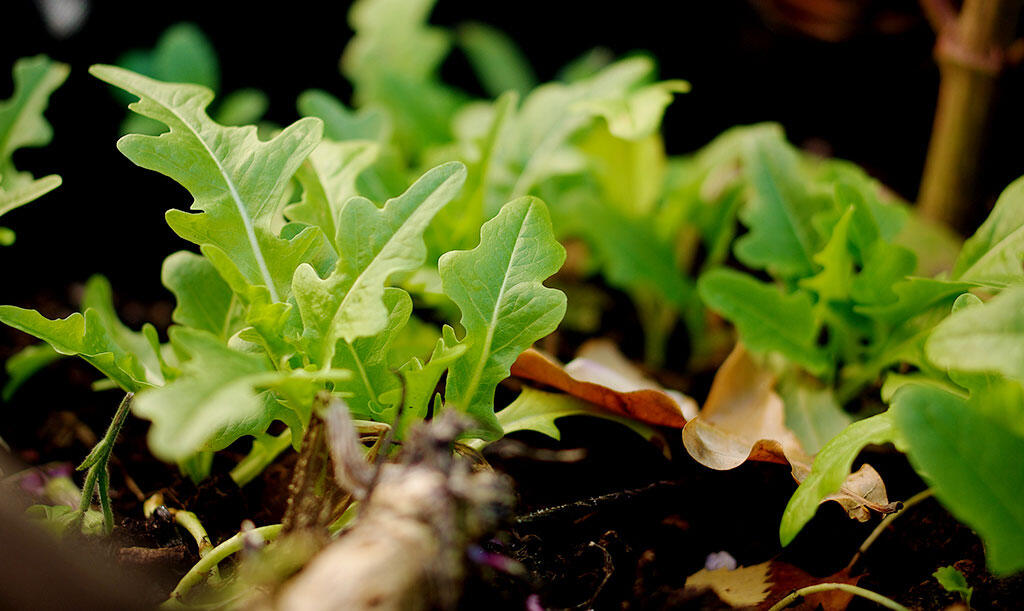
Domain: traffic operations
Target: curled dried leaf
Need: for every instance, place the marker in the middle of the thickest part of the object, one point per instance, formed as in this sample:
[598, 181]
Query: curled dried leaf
[744, 419]
[602, 376]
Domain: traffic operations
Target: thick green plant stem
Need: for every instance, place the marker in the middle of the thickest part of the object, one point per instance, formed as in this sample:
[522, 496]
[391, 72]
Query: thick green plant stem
[261, 455]
[886, 521]
[210, 561]
[888, 603]
[97, 475]
[970, 50]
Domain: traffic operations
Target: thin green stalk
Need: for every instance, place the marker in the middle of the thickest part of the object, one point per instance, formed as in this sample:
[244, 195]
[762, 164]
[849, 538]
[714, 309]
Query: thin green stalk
[886, 521]
[97, 476]
[187, 520]
[261, 455]
[190, 522]
[888, 603]
[210, 561]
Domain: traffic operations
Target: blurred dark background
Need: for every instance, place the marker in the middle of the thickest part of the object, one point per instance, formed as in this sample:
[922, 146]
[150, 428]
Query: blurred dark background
[860, 85]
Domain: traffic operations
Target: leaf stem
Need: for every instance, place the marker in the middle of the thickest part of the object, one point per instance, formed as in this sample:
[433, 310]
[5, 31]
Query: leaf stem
[886, 602]
[261, 455]
[210, 561]
[97, 476]
[187, 520]
[886, 521]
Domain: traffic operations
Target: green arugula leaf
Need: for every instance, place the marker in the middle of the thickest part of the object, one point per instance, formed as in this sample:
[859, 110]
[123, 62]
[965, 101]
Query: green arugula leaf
[82, 335]
[24, 364]
[219, 398]
[554, 112]
[238, 181]
[895, 381]
[767, 319]
[99, 297]
[505, 307]
[483, 134]
[954, 581]
[394, 64]
[883, 266]
[367, 358]
[205, 301]
[630, 173]
[635, 257]
[421, 379]
[914, 296]
[22, 125]
[833, 282]
[638, 113]
[987, 338]
[375, 243]
[831, 468]
[134, 355]
[782, 238]
[241, 107]
[537, 410]
[813, 414]
[967, 457]
[340, 123]
[328, 180]
[994, 255]
[182, 54]
[877, 217]
[497, 61]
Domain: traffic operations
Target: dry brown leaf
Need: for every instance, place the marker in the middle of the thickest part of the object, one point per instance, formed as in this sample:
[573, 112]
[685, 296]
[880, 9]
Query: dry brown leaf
[785, 578]
[744, 419]
[762, 585]
[602, 376]
[742, 587]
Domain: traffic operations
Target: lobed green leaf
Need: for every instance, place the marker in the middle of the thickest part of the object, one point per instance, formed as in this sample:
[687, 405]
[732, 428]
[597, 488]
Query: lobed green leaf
[498, 286]
[767, 319]
[237, 180]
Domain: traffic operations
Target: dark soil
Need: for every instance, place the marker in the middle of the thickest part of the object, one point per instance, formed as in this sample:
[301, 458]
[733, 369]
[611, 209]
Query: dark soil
[649, 523]
[635, 551]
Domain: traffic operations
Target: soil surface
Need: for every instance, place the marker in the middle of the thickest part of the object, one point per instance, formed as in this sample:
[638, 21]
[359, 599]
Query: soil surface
[622, 528]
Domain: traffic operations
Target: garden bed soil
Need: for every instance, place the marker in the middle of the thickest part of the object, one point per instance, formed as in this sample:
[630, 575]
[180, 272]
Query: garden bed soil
[629, 524]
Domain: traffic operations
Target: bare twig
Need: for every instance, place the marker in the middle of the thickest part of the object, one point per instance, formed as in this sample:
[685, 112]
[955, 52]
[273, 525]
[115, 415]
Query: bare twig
[884, 524]
[592, 502]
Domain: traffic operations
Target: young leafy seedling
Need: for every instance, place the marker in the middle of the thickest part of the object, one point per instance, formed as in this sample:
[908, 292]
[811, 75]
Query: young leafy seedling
[953, 581]
[22, 125]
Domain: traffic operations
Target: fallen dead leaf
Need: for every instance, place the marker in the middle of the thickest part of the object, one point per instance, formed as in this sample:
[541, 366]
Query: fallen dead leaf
[762, 585]
[785, 578]
[744, 419]
[742, 587]
[602, 376]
